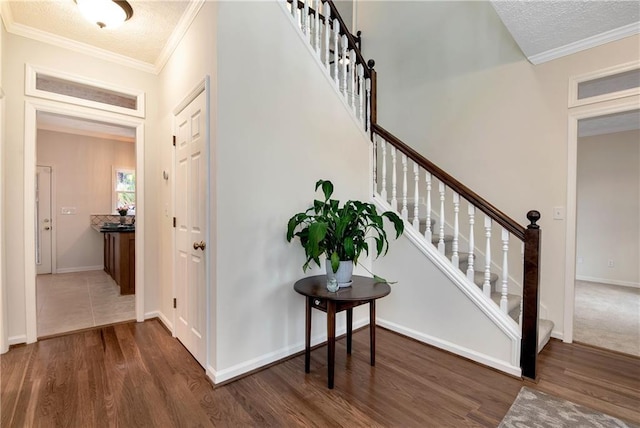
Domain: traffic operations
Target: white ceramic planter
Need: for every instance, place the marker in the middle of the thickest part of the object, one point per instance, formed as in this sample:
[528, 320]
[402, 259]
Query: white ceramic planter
[343, 275]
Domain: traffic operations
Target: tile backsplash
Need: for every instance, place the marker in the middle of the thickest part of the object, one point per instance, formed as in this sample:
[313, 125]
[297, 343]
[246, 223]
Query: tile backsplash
[97, 220]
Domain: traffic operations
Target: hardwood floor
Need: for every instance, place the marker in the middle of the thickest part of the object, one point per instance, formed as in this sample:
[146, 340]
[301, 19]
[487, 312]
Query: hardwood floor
[136, 374]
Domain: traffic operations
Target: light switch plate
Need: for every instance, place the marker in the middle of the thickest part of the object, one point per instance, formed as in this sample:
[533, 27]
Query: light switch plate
[68, 210]
[558, 213]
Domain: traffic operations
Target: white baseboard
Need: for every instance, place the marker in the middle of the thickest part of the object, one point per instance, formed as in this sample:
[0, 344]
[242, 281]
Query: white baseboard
[79, 269]
[608, 281]
[263, 360]
[557, 335]
[163, 319]
[486, 360]
[15, 340]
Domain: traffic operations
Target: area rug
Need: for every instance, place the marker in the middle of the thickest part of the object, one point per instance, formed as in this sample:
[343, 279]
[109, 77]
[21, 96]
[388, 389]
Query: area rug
[535, 409]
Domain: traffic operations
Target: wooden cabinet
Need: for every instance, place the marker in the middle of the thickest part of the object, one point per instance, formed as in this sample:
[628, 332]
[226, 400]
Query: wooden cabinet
[120, 259]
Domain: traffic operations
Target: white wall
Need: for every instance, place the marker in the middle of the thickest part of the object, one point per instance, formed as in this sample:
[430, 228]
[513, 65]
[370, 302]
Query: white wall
[21, 51]
[280, 128]
[609, 208]
[83, 170]
[453, 84]
[268, 150]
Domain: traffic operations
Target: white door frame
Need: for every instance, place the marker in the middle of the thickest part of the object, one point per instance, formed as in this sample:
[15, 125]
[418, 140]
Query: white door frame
[32, 106]
[203, 85]
[575, 114]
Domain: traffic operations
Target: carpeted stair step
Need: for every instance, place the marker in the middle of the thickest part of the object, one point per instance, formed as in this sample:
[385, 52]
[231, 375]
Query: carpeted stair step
[513, 302]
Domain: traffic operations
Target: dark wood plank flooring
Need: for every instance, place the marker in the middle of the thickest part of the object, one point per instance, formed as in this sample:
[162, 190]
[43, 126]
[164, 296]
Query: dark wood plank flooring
[137, 375]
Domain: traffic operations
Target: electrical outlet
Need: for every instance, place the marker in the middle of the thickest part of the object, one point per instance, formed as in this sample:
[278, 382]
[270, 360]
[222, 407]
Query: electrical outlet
[558, 213]
[610, 263]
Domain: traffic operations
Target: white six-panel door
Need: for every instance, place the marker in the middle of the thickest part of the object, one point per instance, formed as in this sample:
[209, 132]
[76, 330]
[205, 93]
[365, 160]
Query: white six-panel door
[190, 231]
[44, 222]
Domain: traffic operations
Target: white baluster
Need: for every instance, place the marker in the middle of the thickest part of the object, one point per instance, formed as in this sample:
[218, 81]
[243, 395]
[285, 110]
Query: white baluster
[427, 232]
[394, 194]
[327, 33]
[294, 11]
[367, 102]
[336, 53]
[455, 258]
[486, 285]
[316, 27]
[441, 244]
[352, 79]
[361, 94]
[343, 66]
[383, 192]
[305, 20]
[504, 301]
[405, 212]
[416, 196]
[470, 273]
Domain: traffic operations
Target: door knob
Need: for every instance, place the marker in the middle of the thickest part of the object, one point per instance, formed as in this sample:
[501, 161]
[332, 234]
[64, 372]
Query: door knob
[200, 245]
[47, 228]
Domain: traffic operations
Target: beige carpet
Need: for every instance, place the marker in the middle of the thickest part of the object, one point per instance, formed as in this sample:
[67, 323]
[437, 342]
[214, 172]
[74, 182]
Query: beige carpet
[607, 316]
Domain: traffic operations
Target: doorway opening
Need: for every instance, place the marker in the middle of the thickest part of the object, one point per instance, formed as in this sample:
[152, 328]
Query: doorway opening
[607, 286]
[76, 288]
[78, 265]
[608, 111]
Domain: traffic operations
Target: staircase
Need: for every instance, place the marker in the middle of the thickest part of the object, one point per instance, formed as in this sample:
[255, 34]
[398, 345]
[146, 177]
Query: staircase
[440, 213]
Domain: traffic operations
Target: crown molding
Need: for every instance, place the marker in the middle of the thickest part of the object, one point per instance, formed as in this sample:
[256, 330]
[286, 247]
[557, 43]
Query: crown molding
[589, 42]
[83, 48]
[178, 33]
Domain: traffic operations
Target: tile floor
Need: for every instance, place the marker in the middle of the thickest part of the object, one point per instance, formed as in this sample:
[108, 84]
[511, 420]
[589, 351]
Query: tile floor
[73, 301]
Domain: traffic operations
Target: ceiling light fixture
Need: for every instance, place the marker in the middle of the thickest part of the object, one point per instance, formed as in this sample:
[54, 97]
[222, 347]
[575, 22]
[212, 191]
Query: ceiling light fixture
[105, 13]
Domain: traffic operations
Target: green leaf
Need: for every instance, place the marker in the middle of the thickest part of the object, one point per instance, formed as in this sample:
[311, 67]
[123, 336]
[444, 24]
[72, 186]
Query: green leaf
[317, 232]
[335, 262]
[349, 249]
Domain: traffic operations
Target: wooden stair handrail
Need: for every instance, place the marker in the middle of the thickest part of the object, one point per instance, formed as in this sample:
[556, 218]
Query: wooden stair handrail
[468, 194]
[343, 31]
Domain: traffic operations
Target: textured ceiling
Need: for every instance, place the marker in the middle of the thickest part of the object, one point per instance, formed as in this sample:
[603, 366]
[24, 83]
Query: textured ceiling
[142, 38]
[542, 27]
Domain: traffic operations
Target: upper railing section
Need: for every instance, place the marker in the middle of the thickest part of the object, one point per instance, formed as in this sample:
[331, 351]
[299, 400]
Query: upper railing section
[340, 54]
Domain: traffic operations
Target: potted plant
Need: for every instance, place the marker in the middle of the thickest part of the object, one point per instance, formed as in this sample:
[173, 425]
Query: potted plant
[340, 233]
[123, 210]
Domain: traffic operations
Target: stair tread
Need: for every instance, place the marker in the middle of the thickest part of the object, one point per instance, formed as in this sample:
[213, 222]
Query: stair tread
[513, 301]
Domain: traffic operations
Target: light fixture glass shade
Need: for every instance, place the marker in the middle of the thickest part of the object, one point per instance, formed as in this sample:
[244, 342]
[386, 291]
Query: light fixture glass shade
[105, 13]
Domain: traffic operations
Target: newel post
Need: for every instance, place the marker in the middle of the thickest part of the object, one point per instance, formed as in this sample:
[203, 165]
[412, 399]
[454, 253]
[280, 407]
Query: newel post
[373, 107]
[530, 297]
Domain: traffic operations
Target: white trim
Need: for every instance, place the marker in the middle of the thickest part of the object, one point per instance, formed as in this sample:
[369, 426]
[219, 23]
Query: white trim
[30, 129]
[584, 112]
[178, 33]
[54, 223]
[473, 292]
[270, 357]
[574, 81]
[608, 281]
[589, 42]
[31, 72]
[456, 349]
[4, 325]
[161, 316]
[15, 340]
[79, 269]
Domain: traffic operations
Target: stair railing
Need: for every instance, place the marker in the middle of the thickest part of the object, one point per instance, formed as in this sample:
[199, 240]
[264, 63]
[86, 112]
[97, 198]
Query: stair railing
[339, 52]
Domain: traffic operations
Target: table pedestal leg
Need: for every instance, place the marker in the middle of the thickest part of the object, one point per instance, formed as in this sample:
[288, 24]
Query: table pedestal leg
[307, 337]
[349, 329]
[372, 331]
[331, 341]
